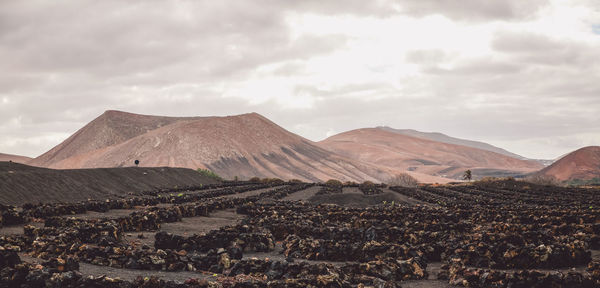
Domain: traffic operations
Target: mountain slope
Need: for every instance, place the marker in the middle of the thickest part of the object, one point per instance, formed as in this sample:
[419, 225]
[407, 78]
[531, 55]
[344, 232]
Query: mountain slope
[21, 184]
[245, 146]
[401, 152]
[14, 158]
[582, 164]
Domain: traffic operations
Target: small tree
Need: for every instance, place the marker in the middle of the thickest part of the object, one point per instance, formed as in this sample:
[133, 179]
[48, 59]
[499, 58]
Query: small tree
[210, 174]
[136, 162]
[468, 175]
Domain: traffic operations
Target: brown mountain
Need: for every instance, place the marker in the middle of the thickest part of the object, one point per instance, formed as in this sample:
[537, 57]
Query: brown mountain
[14, 158]
[245, 145]
[110, 128]
[582, 164]
[401, 152]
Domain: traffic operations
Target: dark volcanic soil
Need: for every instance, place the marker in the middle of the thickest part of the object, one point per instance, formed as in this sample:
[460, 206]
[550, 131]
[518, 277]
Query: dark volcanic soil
[352, 197]
[20, 184]
[300, 232]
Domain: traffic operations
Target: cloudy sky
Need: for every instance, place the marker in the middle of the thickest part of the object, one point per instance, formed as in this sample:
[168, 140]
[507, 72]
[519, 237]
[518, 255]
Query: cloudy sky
[522, 75]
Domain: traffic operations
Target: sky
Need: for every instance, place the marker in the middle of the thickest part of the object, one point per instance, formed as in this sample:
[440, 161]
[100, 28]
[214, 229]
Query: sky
[521, 75]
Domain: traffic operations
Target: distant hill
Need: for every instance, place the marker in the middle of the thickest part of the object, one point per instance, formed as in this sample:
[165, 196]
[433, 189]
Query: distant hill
[21, 184]
[14, 158]
[394, 150]
[245, 145]
[582, 164]
[439, 137]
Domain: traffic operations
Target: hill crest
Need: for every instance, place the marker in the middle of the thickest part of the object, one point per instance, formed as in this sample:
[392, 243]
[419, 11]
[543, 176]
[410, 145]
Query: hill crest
[581, 164]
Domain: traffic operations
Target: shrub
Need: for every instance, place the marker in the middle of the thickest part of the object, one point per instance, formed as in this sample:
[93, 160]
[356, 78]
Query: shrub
[368, 183]
[490, 179]
[254, 180]
[275, 181]
[403, 180]
[581, 182]
[209, 174]
[541, 179]
[370, 188]
[333, 183]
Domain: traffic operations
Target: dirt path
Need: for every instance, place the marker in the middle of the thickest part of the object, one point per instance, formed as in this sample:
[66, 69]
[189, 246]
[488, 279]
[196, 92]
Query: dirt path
[303, 195]
[352, 199]
[425, 284]
[250, 193]
[401, 198]
[130, 274]
[18, 229]
[199, 225]
[110, 214]
[189, 226]
[352, 190]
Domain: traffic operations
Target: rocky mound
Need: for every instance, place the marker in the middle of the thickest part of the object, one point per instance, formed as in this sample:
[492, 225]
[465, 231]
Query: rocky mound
[582, 164]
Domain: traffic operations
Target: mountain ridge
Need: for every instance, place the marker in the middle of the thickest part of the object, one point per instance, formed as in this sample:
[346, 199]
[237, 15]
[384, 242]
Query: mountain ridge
[244, 145]
[441, 137]
[249, 145]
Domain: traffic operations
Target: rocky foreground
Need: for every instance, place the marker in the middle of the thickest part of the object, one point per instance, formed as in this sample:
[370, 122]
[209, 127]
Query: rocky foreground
[486, 234]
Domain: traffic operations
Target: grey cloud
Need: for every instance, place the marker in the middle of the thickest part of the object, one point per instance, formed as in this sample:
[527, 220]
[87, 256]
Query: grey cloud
[474, 10]
[358, 90]
[290, 68]
[357, 7]
[542, 50]
[498, 119]
[150, 36]
[63, 65]
[85, 54]
[483, 66]
[425, 57]
[464, 10]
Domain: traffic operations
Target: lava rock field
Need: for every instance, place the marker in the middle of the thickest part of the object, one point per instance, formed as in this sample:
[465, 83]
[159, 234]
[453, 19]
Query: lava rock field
[482, 234]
